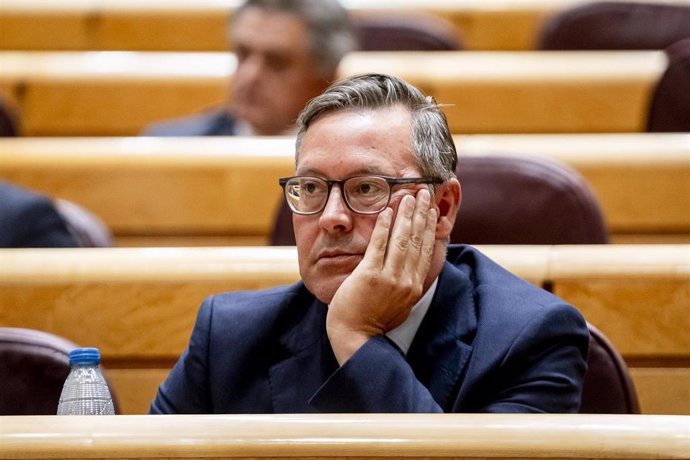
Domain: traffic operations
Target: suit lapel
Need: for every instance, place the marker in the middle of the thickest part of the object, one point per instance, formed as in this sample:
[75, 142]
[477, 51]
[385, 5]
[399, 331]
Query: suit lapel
[438, 354]
[308, 363]
[442, 345]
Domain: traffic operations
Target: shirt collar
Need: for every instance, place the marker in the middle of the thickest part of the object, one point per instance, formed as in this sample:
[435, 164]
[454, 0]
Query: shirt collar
[403, 335]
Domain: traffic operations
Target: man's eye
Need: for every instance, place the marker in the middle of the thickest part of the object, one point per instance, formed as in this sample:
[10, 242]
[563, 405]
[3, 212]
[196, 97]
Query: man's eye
[276, 62]
[367, 189]
[311, 188]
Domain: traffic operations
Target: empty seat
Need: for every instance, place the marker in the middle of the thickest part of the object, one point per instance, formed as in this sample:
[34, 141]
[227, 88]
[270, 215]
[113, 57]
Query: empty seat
[405, 32]
[616, 26]
[670, 107]
[608, 387]
[33, 368]
[511, 200]
[525, 200]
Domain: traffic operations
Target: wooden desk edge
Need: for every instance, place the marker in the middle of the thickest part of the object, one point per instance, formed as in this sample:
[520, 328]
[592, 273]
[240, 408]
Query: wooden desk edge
[333, 436]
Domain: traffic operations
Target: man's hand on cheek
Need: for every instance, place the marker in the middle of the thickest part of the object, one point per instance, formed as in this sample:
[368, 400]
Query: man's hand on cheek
[381, 291]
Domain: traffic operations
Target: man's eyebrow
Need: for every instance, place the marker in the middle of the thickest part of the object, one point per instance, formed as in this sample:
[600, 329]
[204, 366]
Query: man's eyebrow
[366, 171]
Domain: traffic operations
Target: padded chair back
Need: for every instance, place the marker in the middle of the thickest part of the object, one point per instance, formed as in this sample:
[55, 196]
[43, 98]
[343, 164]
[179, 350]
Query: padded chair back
[405, 32]
[87, 229]
[8, 120]
[670, 107]
[525, 200]
[33, 368]
[616, 26]
[608, 387]
[510, 200]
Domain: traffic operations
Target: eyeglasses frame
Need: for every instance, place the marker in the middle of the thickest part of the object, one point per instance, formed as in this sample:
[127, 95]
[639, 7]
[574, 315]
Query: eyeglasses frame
[391, 181]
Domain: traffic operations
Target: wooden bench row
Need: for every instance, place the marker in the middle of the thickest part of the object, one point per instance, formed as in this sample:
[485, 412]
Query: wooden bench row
[180, 25]
[138, 305]
[347, 436]
[221, 191]
[117, 93]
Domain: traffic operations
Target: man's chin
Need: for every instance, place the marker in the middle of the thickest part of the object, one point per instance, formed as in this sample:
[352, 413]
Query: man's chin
[324, 288]
[247, 112]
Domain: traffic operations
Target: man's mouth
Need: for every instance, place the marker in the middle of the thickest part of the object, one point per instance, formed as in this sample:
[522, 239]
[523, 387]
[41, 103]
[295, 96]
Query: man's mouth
[338, 256]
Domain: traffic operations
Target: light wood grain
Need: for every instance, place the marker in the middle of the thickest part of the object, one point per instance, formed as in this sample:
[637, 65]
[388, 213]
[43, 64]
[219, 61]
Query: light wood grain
[361, 436]
[146, 299]
[640, 298]
[661, 390]
[111, 93]
[156, 25]
[196, 191]
[136, 388]
[138, 305]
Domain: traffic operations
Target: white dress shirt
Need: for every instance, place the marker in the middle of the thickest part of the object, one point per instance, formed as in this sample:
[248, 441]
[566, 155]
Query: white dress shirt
[404, 334]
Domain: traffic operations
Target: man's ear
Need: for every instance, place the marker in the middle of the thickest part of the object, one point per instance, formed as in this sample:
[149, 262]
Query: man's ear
[448, 198]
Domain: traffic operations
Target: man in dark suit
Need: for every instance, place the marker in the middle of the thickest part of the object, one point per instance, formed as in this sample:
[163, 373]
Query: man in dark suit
[30, 220]
[287, 52]
[387, 317]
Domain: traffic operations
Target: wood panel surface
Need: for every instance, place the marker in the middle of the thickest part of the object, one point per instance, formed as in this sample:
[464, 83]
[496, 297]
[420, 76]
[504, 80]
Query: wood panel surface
[138, 305]
[202, 191]
[351, 436]
[180, 25]
[119, 93]
[639, 296]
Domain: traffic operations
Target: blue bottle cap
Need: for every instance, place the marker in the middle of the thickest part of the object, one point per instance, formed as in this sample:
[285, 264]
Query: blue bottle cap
[84, 356]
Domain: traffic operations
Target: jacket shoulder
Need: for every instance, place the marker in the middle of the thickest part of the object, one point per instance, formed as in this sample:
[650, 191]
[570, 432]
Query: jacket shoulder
[30, 219]
[212, 123]
[505, 301]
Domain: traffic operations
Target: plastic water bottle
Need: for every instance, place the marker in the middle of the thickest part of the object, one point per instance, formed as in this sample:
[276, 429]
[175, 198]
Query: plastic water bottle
[85, 391]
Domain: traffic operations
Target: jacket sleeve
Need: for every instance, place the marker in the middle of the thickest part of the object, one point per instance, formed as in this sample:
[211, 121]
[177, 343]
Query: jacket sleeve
[376, 378]
[186, 390]
[543, 369]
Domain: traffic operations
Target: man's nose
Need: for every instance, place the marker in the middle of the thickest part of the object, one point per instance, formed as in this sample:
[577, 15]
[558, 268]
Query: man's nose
[336, 216]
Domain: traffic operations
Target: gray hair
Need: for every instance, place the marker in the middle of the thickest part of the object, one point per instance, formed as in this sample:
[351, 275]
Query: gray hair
[432, 142]
[331, 31]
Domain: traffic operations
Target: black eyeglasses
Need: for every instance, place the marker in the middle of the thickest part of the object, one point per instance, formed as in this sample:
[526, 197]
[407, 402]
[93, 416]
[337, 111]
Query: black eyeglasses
[308, 195]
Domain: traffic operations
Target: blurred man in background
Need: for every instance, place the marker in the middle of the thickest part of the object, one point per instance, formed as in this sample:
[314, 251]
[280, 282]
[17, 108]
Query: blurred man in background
[287, 52]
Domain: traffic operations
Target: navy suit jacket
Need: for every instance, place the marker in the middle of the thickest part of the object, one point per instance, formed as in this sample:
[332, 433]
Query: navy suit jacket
[213, 123]
[490, 342]
[30, 220]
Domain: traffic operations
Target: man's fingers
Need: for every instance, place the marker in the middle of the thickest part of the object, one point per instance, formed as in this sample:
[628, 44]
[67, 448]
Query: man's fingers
[376, 250]
[418, 232]
[428, 243]
[400, 236]
[419, 222]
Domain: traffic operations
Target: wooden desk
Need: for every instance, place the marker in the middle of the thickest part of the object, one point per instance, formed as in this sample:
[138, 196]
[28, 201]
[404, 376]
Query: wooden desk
[642, 303]
[180, 25]
[224, 188]
[111, 93]
[203, 191]
[352, 436]
[138, 305]
[641, 181]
